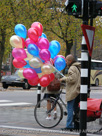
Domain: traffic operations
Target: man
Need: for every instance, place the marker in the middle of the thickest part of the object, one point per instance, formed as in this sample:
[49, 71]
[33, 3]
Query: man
[72, 90]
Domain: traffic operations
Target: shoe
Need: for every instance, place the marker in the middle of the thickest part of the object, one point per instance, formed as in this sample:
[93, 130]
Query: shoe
[67, 129]
[48, 118]
[55, 116]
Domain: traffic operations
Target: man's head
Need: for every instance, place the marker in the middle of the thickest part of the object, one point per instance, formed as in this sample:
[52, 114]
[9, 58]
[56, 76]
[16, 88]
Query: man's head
[69, 59]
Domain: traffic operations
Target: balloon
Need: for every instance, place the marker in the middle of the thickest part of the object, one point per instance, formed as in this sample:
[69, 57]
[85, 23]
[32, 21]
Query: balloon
[20, 73]
[29, 41]
[54, 48]
[16, 41]
[40, 75]
[34, 81]
[35, 62]
[44, 80]
[19, 53]
[19, 63]
[33, 34]
[46, 69]
[37, 70]
[20, 30]
[33, 49]
[29, 73]
[38, 26]
[43, 43]
[27, 65]
[44, 54]
[52, 76]
[23, 43]
[58, 57]
[60, 63]
[43, 36]
[29, 56]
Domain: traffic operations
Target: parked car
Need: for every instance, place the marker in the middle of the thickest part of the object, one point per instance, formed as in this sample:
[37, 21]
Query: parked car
[14, 80]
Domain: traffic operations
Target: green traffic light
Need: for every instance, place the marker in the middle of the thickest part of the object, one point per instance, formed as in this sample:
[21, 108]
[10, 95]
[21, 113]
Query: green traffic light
[74, 8]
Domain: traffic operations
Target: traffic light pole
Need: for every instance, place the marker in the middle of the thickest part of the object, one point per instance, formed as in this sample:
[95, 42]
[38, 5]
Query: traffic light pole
[84, 76]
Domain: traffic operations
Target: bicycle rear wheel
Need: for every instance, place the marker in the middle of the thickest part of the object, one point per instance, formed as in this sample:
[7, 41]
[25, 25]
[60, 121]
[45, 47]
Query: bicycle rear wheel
[41, 113]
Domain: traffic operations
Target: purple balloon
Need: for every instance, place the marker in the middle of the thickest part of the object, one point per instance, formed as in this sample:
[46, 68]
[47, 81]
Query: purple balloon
[45, 54]
[29, 73]
[29, 41]
[19, 53]
[59, 56]
[43, 43]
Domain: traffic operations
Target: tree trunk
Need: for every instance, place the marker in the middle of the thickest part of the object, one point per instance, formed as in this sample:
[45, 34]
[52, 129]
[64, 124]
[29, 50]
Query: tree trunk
[2, 48]
[69, 45]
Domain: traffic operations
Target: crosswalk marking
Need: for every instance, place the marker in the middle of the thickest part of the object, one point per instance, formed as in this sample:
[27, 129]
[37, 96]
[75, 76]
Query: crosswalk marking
[11, 103]
[15, 104]
[5, 101]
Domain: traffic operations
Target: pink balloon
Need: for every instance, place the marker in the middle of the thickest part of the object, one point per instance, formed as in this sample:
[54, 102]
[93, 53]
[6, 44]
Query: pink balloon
[19, 53]
[29, 73]
[44, 80]
[19, 63]
[43, 43]
[33, 34]
[38, 26]
[29, 41]
[45, 54]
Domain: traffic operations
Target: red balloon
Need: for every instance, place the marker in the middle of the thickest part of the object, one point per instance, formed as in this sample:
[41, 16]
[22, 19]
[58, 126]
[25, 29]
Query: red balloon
[38, 26]
[52, 76]
[23, 42]
[19, 63]
[34, 82]
[44, 80]
[33, 34]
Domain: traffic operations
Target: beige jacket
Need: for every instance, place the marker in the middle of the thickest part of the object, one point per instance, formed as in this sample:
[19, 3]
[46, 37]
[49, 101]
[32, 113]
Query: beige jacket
[72, 81]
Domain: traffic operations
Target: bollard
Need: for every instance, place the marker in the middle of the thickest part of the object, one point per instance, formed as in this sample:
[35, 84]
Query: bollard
[39, 94]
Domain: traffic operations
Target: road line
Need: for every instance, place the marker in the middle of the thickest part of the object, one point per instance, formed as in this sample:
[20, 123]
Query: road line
[15, 104]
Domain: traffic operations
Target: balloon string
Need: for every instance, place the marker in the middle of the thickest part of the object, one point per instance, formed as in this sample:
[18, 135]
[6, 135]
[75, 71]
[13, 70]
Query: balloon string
[57, 71]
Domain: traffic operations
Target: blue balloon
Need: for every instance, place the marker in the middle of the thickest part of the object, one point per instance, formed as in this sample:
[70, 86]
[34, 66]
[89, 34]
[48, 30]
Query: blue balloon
[20, 30]
[27, 65]
[54, 48]
[33, 49]
[37, 70]
[43, 36]
[60, 63]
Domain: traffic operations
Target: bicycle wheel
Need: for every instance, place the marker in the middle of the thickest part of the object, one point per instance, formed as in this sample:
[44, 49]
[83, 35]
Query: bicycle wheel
[41, 113]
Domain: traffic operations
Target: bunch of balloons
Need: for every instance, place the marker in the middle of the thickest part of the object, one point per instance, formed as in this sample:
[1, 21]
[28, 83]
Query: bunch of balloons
[35, 56]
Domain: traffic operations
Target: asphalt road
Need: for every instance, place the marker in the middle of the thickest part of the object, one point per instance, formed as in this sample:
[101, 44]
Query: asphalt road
[17, 112]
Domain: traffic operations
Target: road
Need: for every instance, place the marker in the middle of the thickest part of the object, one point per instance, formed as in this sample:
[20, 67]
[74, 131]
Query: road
[17, 110]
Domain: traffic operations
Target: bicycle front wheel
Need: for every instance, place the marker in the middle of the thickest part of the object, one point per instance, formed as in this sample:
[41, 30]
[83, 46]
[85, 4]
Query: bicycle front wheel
[45, 117]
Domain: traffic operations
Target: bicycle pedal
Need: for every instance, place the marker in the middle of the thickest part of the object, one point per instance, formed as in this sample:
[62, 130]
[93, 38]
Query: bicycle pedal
[65, 113]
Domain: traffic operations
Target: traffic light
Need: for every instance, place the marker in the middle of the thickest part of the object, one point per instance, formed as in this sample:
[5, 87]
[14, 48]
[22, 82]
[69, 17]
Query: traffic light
[95, 9]
[74, 7]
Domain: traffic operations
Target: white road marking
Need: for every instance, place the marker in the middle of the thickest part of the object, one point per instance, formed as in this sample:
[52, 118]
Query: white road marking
[5, 101]
[15, 104]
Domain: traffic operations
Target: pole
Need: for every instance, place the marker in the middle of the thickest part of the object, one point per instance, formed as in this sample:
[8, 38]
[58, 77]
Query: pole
[84, 76]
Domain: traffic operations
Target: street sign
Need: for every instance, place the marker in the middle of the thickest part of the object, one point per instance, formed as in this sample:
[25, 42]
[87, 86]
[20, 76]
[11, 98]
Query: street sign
[89, 33]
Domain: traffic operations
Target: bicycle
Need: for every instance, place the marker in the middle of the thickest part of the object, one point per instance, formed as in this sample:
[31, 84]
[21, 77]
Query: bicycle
[41, 112]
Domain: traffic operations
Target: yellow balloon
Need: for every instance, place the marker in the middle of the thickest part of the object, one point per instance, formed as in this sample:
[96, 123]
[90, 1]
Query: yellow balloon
[16, 41]
[29, 56]
[40, 75]
[20, 73]
[35, 62]
[46, 69]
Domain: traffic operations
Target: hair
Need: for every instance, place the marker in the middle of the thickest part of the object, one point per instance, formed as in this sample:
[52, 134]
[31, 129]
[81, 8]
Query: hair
[70, 57]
